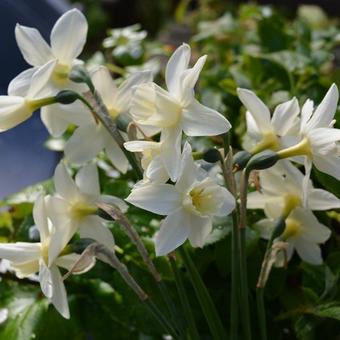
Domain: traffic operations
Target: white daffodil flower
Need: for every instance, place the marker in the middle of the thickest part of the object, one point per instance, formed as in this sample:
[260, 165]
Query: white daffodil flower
[176, 110]
[151, 161]
[318, 140]
[68, 37]
[266, 132]
[303, 233]
[74, 206]
[281, 191]
[190, 205]
[29, 258]
[77, 149]
[15, 109]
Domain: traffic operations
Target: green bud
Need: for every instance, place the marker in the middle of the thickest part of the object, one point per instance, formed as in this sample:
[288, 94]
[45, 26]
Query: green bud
[212, 156]
[79, 74]
[66, 97]
[123, 122]
[103, 214]
[241, 159]
[263, 160]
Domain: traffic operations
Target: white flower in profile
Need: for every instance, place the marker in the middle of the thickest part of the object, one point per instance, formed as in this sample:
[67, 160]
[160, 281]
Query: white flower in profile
[15, 109]
[303, 233]
[74, 206]
[68, 37]
[152, 163]
[29, 258]
[266, 132]
[281, 191]
[176, 110]
[190, 205]
[117, 100]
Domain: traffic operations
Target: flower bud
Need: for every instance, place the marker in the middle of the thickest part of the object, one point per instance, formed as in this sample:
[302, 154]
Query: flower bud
[66, 97]
[212, 156]
[241, 159]
[79, 74]
[263, 160]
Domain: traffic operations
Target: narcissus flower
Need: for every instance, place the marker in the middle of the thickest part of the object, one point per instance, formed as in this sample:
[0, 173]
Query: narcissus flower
[74, 207]
[281, 192]
[303, 233]
[190, 205]
[44, 257]
[176, 110]
[117, 100]
[266, 132]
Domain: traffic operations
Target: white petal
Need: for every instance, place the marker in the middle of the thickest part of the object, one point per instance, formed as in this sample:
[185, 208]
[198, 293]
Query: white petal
[20, 252]
[156, 171]
[256, 107]
[68, 36]
[64, 184]
[200, 228]
[306, 113]
[319, 199]
[199, 120]
[140, 145]
[78, 150]
[125, 91]
[45, 279]
[67, 261]
[328, 164]
[13, 111]
[114, 201]
[324, 113]
[265, 227]
[94, 228]
[32, 45]
[175, 67]
[115, 154]
[174, 231]
[53, 118]
[189, 79]
[227, 202]
[40, 218]
[305, 182]
[104, 84]
[160, 199]
[171, 151]
[20, 84]
[59, 298]
[284, 116]
[257, 200]
[252, 129]
[87, 180]
[309, 252]
[25, 269]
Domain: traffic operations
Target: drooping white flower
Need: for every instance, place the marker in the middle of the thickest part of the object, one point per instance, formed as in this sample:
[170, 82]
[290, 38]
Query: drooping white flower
[73, 207]
[68, 37]
[176, 110]
[15, 109]
[29, 258]
[264, 131]
[303, 233]
[190, 205]
[77, 149]
[282, 190]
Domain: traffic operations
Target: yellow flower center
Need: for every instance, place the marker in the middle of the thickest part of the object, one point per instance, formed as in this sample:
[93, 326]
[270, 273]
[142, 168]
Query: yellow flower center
[303, 148]
[114, 113]
[60, 74]
[293, 229]
[291, 201]
[269, 141]
[80, 210]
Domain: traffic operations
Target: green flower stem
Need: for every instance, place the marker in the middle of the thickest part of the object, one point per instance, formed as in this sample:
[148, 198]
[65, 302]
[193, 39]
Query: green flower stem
[203, 297]
[227, 170]
[104, 116]
[244, 305]
[261, 312]
[194, 335]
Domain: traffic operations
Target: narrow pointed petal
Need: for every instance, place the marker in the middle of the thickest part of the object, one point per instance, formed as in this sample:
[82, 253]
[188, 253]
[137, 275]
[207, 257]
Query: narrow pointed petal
[309, 252]
[156, 171]
[199, 120]
[175, 229]
[114, 201]
[256, 107]
[200, 228]
[45, 279]
[228, 202]
[115, 154]
[32, 45]
[93, 227]
[40, 219]
[306, 113]
[252, 129]
[148, 196]
[305, 183]
[284, 116]
[175, 67]
[20, 252]
[87, 180]
[53, 118]
[319, 199]
[68, 36]
[64, 184]
[140, 145]
[67, 261]
[59, 298]
[328, 164]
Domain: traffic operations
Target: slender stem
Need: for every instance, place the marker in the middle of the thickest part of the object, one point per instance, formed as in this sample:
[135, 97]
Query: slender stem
[261, 312]
[227, 170]
[244, 305]
[184, 300]
[103, 115]
[203, 297]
